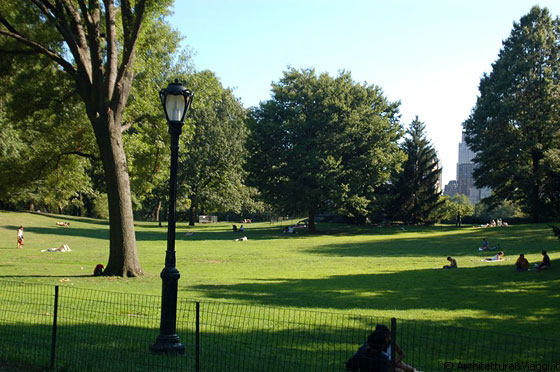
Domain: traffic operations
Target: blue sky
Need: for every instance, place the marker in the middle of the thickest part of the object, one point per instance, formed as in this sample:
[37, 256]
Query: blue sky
[429, 55]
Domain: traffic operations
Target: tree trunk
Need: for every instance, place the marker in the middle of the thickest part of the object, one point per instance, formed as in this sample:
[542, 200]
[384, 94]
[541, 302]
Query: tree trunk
[536, 187]
[123, 258]
[311, 223]
[156, 214]
[192, 213]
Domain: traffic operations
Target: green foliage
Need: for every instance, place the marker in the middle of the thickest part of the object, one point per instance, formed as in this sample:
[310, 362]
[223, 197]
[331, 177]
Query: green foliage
[504, 211]
[416, 194]
[450, 207]
[100, 206]
[159, 60]
[515, 125]
[45, 137]
[211, 175]
[323, 144]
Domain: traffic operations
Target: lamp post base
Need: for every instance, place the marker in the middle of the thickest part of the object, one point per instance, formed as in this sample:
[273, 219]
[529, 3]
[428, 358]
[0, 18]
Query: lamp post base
[167, 345]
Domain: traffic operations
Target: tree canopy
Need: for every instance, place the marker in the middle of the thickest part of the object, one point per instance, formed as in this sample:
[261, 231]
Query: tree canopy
[323, 144]
[83, 56]
[211, 173]
[515, 125]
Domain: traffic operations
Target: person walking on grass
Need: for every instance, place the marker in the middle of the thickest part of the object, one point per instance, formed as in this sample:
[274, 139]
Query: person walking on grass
[20, 237]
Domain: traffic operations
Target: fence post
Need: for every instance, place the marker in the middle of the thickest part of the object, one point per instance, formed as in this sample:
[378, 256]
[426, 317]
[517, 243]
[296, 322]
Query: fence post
[393, 343]
[55, 316]
[197, 339]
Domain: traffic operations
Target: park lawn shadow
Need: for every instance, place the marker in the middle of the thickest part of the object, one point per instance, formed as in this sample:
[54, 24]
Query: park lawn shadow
[46, 276]
[450, 242]
[66, 218]
[101, 233]
[235, 346]
[493, 291]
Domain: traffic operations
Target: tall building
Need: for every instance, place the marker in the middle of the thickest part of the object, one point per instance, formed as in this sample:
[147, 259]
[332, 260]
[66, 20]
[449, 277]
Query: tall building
[465, 180]
[450, 189]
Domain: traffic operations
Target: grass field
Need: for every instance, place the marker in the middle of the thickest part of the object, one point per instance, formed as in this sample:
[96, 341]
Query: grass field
[385, 272]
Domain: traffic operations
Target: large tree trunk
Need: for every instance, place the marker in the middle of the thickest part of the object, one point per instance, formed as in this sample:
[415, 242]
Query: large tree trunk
[123, 258]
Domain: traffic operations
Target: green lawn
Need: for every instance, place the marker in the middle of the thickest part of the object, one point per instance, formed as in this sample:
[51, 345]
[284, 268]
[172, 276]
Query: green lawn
[385, 272]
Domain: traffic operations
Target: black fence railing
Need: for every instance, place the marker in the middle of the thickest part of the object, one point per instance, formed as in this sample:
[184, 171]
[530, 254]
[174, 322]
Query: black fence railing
[70, 329]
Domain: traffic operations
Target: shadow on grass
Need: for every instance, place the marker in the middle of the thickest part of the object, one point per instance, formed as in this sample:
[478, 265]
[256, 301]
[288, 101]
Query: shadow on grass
[66, 218]
[496, 292]
[233, 347]
[101, 233]
[242, 340]
[45, 276]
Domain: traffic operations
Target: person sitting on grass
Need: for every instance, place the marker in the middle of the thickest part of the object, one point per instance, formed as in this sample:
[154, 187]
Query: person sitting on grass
[452, 263]
[545, 264]
[521, 264]
[289, 230]
[400, 366]
[484, 246]
[370, 356]
[498, 257]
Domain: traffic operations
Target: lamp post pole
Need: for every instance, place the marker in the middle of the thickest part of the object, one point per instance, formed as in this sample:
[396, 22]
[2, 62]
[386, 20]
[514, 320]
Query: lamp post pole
[176, 101]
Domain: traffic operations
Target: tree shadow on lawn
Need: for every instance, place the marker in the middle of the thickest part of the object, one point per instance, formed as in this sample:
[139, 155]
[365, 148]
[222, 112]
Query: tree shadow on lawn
[234, 346]
[100, 233]
[65, 218]
[46, 276]
[513, 242]
[498, 292]
[462, 238]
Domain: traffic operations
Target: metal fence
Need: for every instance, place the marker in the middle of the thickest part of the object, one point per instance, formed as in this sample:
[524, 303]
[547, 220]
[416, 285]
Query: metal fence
[70, 329]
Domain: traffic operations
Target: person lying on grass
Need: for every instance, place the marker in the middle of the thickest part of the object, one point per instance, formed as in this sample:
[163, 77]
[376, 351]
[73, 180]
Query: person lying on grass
[498, 257]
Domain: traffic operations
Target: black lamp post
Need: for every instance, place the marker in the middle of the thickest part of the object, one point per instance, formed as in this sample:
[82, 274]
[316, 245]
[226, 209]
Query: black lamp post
[176, 100]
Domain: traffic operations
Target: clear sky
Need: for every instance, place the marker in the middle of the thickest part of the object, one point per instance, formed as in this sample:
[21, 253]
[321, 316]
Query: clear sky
[429, 55]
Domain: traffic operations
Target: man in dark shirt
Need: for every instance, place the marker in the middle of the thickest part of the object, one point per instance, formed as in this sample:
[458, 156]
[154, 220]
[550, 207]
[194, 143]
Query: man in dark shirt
[369, 357]
[545, 264]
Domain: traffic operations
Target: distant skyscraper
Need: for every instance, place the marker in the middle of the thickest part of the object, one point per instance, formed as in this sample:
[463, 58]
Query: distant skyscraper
[465, 180]
[450, 189]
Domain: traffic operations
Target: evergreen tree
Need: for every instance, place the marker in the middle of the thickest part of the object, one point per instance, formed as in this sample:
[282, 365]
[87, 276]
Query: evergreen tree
[515, 125]
[416, 189]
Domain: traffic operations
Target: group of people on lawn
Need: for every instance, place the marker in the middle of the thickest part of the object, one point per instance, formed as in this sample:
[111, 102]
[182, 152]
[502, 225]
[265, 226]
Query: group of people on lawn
[522, 264]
